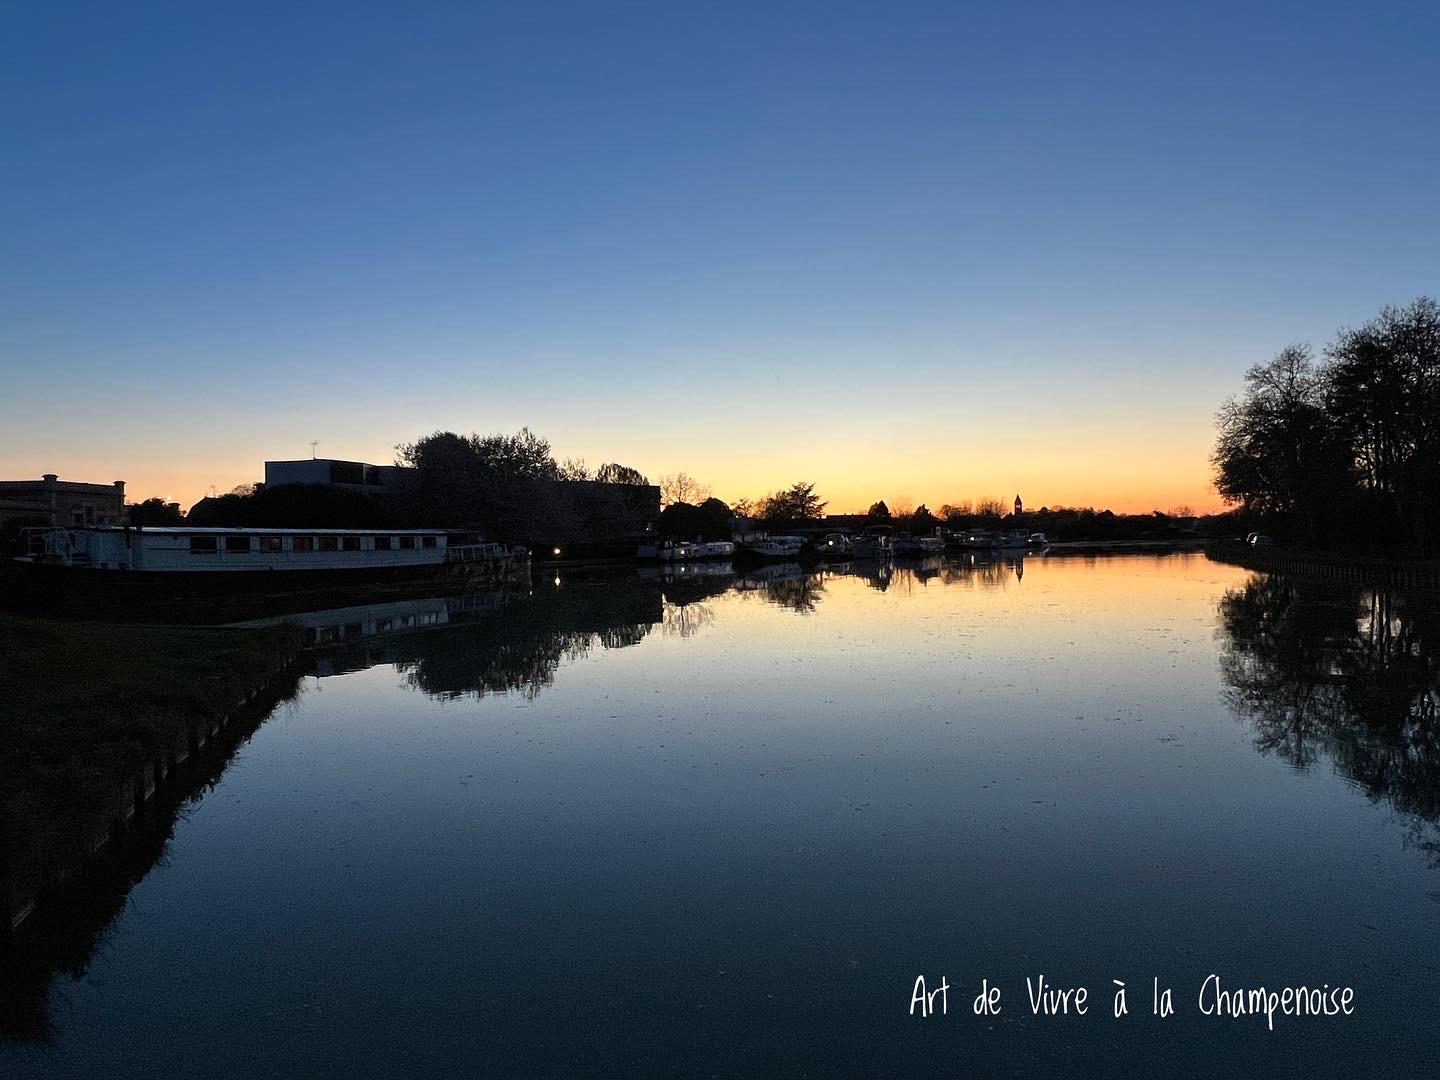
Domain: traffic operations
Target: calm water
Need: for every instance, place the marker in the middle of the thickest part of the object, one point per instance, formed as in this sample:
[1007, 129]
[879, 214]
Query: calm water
[718, 828]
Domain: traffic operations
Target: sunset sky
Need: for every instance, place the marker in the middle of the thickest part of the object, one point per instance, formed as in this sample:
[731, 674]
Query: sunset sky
[918, 251]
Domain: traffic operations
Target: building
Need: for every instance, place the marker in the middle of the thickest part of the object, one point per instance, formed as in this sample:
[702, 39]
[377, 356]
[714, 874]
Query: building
[1019, 506]
[348, 475]
[52, 501]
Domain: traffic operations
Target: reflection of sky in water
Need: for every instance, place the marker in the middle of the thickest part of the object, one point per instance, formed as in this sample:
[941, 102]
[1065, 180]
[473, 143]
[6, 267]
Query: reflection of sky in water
[731, 844]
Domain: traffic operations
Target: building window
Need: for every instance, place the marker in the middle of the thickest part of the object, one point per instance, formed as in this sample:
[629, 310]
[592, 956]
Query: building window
[327, 543]
[382, 543]
[270, 544]
[237, 545]
[428, 541]
[350, 543]
[407, 543]
[204, 545]
[302, 543]
[77, 517]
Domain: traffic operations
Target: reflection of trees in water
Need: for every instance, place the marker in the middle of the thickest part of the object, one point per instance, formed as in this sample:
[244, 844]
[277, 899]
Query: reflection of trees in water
[1325, 670]
[800, 593]
[986, 571]
[520, 647]
[686, 620]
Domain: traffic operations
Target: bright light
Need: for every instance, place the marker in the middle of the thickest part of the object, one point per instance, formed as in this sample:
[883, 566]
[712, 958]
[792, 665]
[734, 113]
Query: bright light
[557, 553]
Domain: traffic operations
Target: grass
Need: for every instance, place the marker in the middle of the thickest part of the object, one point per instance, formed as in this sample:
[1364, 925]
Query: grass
[83, 706]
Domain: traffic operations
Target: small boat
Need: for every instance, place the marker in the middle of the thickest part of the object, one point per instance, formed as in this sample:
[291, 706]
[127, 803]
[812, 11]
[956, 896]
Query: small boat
[776, 547]
[672, 551]
[870, 546]
[1038, 539]
[931, 544]
[834, 546]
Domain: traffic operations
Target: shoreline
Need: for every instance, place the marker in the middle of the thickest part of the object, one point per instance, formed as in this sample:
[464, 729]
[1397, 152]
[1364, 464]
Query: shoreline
[80, 771]
[1339, 566]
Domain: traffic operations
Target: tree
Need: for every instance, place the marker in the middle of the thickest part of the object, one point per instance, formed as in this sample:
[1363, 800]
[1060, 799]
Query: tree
[747, 508]
[574, 469]
[878, 511]
[989, 506]
[1382, 393]
[156, 512]
[682, 487]
[923, 521]
[1274, 450]
[953, 511]
[501, 484]
[796, 503]
[613, 473]
[711, 520]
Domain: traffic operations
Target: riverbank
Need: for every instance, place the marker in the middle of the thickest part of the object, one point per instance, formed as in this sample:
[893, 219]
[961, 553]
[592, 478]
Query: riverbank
[1366, 569]
[93, 719]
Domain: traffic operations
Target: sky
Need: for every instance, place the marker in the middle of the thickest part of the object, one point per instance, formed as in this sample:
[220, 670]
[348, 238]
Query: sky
[924, 252]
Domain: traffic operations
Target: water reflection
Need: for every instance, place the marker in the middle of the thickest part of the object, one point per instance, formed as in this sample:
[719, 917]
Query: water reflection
[1326, 671]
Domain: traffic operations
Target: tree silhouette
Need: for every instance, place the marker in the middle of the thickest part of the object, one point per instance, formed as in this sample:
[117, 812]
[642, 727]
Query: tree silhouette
[796, 503]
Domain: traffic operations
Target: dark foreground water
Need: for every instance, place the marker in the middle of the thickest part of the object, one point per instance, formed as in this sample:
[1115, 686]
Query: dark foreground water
[719, 828]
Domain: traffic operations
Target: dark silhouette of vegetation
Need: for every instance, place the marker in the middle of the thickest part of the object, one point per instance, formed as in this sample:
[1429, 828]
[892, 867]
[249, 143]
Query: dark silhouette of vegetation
[291, 506]
[878, 513]
[614, 473]
[711, 520]
[682, 487]
[1345, 453]
[797, 503]
[155, 513]
[510, 488]
[502, 485]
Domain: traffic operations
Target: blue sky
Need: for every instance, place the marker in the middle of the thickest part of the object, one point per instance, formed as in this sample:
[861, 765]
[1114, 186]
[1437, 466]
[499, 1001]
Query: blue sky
[904, 250]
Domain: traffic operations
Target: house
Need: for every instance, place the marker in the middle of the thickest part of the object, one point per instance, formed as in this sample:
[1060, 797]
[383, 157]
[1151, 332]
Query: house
[52, 501]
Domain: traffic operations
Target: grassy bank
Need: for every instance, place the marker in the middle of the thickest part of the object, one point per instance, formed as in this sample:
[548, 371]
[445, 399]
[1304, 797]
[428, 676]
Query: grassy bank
[85, 707]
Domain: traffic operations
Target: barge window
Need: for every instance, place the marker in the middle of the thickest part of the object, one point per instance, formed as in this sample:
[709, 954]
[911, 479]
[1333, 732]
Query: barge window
[428, 541]
[382, 543]
[327, 543]
[302, 543]
[350, 543]
[407, 543]
[270, 544]
[204, 545]
[237, 544]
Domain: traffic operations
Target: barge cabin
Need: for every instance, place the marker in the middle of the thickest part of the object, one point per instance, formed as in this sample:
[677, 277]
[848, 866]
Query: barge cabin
[189, 550]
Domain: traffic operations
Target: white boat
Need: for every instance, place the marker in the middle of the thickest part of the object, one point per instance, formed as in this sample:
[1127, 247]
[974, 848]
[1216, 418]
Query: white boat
[172, 550]
[776, 547]
[874, 546]
[834, 546]
[931, 544]
[673, 551]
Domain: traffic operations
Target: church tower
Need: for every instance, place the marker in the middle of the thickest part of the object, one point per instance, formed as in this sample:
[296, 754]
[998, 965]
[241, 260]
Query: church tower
[1019, 506]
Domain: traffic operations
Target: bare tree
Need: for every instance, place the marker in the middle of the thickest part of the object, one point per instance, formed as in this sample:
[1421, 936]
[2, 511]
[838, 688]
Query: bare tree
[682, 487]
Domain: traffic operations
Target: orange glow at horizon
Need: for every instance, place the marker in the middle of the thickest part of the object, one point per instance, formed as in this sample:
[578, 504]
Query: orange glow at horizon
[1118, 479]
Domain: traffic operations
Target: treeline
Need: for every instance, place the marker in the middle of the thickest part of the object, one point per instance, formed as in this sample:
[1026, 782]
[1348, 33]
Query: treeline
[508, 487]
[511, 488]
[1343, 452]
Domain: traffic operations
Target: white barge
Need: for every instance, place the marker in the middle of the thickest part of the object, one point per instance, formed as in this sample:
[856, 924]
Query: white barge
[173, 550]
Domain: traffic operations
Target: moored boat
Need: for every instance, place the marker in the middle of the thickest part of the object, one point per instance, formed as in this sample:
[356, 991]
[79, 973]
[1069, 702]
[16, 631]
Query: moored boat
[775, 547]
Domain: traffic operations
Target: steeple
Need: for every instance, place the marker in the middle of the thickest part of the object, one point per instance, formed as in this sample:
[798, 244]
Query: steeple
[1019, 506]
